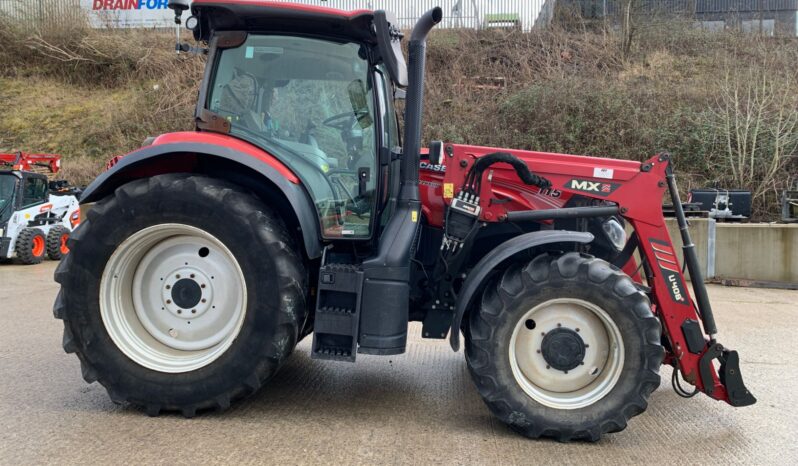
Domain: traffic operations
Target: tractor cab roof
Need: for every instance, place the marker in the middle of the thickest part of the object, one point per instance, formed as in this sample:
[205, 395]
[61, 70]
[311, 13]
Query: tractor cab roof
[259, 15]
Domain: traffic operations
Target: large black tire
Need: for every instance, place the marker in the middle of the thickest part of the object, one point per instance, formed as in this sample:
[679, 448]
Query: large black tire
[30, 246]
[274, 274]
[578, 277]
[56, 245]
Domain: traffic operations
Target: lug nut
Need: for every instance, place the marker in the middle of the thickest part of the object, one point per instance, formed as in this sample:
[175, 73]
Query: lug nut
[179, 311]
[192, 275]
[202, 286]
[193, 311]
[204, 300]
[168, 287]
[168, 301]
[178, 276]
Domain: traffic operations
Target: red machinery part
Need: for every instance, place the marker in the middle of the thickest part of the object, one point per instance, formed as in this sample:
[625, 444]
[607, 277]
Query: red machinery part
[25, 161]
[617, 181]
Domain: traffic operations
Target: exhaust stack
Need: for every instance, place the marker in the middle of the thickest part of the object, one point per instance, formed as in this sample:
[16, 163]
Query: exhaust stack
[414, 106]
[386, 276]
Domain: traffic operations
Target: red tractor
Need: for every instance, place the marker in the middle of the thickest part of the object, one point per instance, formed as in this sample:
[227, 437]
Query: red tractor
[295, 207]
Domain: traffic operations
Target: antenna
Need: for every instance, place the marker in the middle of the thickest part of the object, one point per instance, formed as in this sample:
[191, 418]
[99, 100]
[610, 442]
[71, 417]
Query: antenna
[179, 6]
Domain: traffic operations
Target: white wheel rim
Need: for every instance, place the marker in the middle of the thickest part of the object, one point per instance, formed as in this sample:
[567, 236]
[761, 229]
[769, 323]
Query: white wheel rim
[583, 385]
[173, 298]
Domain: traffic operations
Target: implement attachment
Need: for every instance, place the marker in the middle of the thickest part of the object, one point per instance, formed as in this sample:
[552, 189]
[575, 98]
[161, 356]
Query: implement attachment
[729, 373]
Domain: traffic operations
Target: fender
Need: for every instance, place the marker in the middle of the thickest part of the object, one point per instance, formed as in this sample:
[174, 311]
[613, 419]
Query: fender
[475, 280]
[154, 160]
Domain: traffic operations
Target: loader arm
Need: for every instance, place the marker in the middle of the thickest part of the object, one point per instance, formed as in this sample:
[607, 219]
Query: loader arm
[615, 187]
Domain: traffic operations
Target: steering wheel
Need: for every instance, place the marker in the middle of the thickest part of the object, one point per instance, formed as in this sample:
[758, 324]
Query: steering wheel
[344, 121]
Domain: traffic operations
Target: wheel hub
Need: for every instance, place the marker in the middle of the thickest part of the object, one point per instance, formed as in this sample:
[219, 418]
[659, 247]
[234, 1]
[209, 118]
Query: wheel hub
[186, 293]
[563, 349]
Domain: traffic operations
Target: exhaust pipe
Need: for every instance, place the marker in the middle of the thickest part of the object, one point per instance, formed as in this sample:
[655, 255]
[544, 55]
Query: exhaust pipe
[414, 103]
[385, 298]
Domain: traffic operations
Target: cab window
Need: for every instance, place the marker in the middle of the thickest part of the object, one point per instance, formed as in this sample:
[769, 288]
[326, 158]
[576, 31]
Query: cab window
[34, 191]
[310, 103]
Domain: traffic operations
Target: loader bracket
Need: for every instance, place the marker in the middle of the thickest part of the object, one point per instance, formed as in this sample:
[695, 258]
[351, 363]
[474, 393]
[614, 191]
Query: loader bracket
[729, 375]
[732, 379]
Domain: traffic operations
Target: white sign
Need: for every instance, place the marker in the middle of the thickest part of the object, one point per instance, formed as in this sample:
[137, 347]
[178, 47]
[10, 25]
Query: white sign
[129, 13]
[599, 172]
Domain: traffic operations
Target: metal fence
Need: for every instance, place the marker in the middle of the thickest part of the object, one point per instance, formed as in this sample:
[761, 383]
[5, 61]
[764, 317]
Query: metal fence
[42, 12]
[475, 14]
[598, 8]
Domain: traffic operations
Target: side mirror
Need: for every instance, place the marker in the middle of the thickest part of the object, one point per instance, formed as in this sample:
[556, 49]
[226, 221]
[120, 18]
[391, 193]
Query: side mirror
[389, 38]
[435, 152]
[178, 6]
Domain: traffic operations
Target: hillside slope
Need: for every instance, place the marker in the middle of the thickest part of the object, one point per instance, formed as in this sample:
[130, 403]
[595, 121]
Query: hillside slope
[723, 104]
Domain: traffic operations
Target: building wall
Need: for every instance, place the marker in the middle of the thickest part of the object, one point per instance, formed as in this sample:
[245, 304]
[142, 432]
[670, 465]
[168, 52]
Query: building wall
[712, 14]
[746, 251]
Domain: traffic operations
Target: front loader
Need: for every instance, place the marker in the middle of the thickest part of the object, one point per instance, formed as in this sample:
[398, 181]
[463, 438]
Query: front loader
[295, 207]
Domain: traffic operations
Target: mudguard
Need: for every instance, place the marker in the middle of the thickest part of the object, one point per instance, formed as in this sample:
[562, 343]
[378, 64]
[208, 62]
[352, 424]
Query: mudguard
[475, 280]
[151, 160]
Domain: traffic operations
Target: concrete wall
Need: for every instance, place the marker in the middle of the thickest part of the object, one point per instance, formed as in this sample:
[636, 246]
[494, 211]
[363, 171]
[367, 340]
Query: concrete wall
[747, 251]
[702, 231]
[757, 251]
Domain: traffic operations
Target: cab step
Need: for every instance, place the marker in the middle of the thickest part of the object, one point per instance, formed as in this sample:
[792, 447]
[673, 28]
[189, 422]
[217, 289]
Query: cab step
[337, 312]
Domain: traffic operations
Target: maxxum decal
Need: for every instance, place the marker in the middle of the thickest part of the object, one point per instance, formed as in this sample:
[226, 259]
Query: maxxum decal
[669, 266]
[593, 187]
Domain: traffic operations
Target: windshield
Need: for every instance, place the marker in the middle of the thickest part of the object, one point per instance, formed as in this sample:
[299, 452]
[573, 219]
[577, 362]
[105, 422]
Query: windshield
[310, 103]
[8, 183]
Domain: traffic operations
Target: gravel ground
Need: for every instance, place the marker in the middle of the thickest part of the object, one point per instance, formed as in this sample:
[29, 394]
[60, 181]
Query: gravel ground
[420, 407]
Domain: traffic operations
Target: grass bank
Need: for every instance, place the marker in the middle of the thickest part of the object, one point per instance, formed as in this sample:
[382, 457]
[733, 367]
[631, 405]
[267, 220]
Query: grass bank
[725, 104]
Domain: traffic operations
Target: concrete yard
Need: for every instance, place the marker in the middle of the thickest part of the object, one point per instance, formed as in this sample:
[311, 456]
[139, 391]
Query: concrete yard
[420, 407]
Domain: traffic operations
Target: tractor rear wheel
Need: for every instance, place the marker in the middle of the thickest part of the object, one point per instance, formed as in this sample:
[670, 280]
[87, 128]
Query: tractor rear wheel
[31, 246]
[57, 242]
[564, 347]
[181, 293]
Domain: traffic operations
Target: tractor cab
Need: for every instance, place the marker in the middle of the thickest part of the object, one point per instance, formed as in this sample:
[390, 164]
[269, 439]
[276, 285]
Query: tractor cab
[317, 94]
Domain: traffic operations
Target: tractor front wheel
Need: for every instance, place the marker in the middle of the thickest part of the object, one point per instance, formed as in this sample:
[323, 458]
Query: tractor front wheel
[181, 293]
[564, 347]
